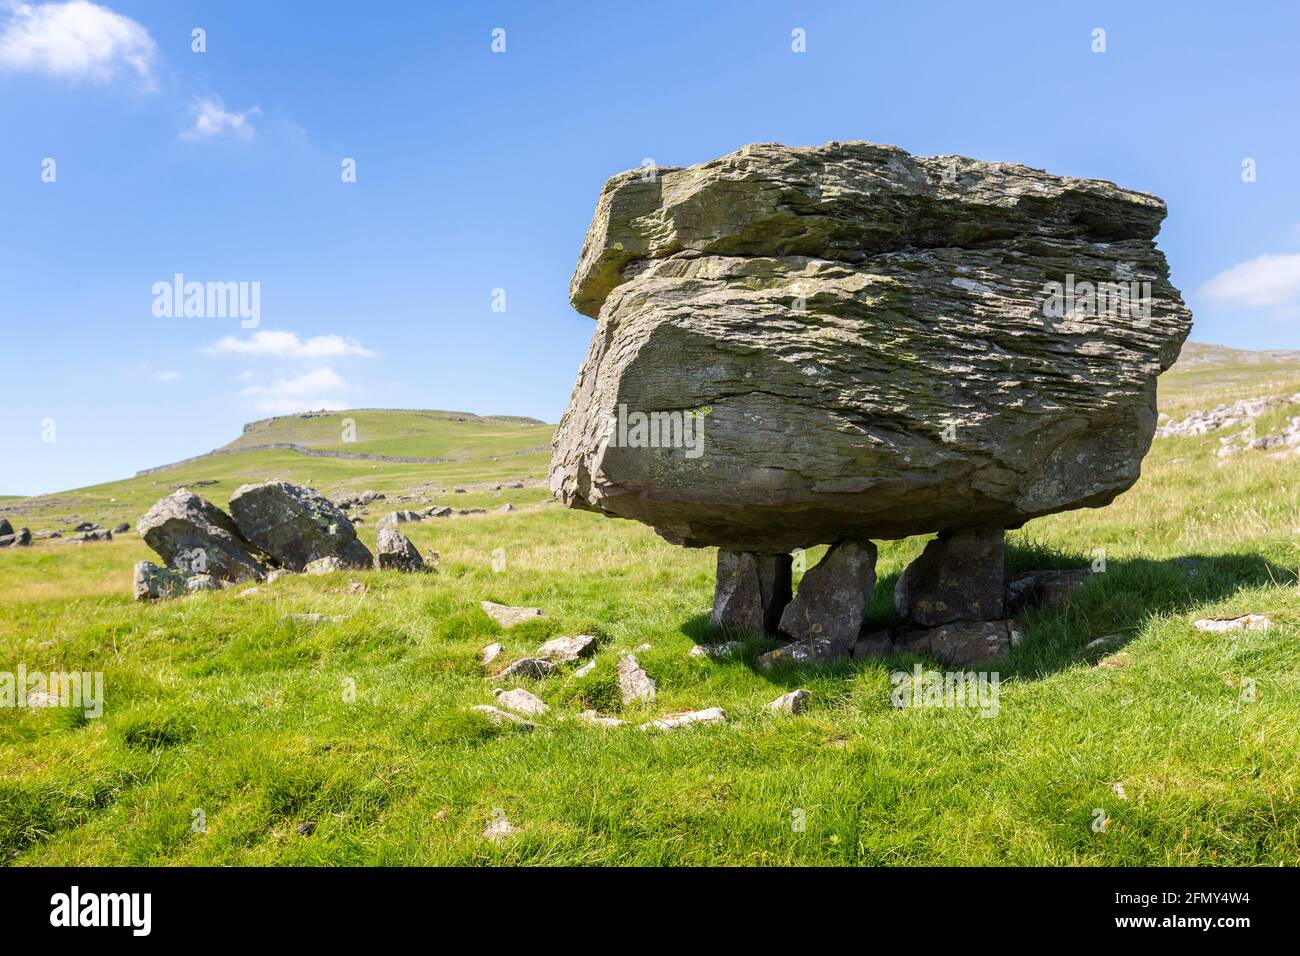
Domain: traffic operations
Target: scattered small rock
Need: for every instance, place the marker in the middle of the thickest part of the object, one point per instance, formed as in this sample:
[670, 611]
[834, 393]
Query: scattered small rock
[507, 616]
[717, 650]
[634, 683]
[793, 702]
[711, 715]
[306, 828]
[1247, 622]
[503, 717]
[801, 652]
[563, 650]
[490, 653]
[532, 667]
[521, 701]
[585, 669]
[394, 552]
[326, 565]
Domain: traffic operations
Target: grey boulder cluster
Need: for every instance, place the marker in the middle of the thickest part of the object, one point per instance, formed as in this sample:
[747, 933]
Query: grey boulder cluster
[835, 344]
[9, 538]
[272, 526]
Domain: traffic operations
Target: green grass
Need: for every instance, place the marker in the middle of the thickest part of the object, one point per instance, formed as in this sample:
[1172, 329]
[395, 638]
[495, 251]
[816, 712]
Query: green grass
[221, 704]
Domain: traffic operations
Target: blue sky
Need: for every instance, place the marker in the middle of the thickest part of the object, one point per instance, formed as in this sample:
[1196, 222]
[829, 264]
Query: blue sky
[479, 171]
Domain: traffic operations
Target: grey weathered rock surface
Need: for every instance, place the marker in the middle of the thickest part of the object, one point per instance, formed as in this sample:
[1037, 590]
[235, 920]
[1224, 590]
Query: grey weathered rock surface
[563, 650]
[522, 702]
[831, 603]
[394, 552]
[533, 667]
[716, 651]
[818, 650]
[498, 716]
[961, 643]
[192, 534]
[152, 583]
[295, 525]
[751, 591]
[633, 682]
[328, 565]
[508, 616]
[16, 539]
[793, 702]
[960, 576]
[1247, 622]
[685, 718]
[830, 311]
[394, 518]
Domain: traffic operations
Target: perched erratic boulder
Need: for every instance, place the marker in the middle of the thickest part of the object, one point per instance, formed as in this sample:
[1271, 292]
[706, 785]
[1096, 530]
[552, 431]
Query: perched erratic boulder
[797, 346]
[295, 526]
[192, 535]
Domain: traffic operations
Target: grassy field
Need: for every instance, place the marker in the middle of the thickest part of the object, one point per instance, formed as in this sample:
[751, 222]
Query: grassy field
[223, 709]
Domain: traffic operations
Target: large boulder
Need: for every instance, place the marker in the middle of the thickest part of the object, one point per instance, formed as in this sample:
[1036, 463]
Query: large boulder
[296, 526]
[193, 535]
[798, 346]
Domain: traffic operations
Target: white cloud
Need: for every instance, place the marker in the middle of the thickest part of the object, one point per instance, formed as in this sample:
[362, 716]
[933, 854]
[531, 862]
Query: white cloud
[1266, 282]
[212, 119]
[321, 388]
[76, 40]
[166, 376]
[288, 345]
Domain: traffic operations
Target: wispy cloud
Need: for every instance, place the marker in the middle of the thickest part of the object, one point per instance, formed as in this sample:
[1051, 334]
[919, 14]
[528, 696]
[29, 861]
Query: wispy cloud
[320, 389]
[1267, 282]
[76, 41]
[289, 345]
[166, 376]
[211, 118]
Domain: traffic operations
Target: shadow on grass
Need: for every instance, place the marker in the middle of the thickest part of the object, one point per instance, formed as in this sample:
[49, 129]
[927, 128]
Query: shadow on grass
[1118, 602]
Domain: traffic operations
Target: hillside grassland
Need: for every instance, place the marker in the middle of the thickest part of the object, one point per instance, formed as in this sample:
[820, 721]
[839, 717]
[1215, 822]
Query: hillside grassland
[229, 724]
